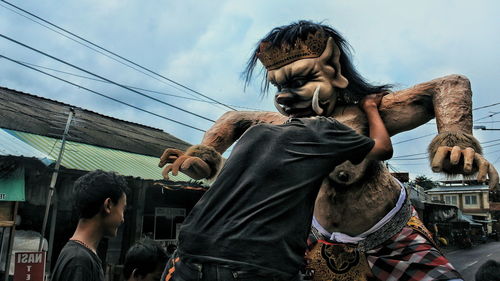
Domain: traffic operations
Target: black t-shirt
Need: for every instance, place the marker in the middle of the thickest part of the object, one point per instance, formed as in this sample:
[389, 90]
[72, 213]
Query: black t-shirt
[77, 263]
[258, 212]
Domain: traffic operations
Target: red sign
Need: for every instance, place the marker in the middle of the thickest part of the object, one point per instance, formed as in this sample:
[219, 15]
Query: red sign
[29, 266]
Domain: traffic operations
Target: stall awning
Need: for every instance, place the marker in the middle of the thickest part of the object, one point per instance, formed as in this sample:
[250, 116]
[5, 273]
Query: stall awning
[86, 157]
[484, 221]
[12, 186]
[10, 145]
[468, 219]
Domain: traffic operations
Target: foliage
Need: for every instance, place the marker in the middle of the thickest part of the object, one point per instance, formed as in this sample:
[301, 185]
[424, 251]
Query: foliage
[424, 182]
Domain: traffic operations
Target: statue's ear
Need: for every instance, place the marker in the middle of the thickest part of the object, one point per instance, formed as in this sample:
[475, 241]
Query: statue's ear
[331, 56]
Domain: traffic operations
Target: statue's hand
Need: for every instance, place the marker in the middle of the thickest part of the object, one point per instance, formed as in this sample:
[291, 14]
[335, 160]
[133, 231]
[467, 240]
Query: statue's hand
[455, 160]
[192, 166]
[169, 156]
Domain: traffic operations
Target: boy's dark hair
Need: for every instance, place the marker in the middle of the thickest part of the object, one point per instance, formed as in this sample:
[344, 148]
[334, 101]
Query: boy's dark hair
[145, 256]
[489, 271]
[93, 188]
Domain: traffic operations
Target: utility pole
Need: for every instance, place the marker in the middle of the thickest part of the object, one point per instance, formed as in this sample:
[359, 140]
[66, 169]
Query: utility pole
[53, 184]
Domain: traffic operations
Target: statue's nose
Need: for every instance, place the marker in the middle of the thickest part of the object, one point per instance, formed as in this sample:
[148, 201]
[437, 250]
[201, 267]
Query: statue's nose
[285, 98]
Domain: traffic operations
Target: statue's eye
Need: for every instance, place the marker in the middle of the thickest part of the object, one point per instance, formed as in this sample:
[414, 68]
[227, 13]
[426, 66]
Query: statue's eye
[298, 82]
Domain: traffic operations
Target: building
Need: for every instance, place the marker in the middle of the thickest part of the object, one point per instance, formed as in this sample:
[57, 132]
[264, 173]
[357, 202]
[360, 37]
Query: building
[470, 197]
[31, 128]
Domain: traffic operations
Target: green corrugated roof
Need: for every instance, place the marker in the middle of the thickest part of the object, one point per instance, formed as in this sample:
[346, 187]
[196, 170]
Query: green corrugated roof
[86, 157]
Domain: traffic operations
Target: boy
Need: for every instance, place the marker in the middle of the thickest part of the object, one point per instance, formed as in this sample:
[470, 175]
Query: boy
[100, 199]
[254, 220]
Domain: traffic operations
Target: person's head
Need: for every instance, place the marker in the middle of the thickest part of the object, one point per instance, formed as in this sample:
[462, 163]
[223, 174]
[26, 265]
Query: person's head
[489, 271]
[144, 261]
[310, 65]
[101, 195]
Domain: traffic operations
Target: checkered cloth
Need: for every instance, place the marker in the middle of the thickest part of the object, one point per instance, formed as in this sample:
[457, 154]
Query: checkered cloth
[409, 255]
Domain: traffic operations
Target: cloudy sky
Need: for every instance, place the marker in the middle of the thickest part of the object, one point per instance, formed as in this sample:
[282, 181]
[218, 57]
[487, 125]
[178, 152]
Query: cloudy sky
[204, 45]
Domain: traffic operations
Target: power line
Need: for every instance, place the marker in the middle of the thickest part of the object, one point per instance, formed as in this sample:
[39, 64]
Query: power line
[392, 168]
[402, 156]
[415, 154]
[487, 122]
[102, 95]
[413, 139]
[410, 159]
[490, 141]
[105, 79]
[133, 87]
[491, 145]
[481, 107]
[422, 153]
[490, 152]
[496, 160]
[98, 51]
[50, 121]
[116, 55]
[411, 164]
[491, 115]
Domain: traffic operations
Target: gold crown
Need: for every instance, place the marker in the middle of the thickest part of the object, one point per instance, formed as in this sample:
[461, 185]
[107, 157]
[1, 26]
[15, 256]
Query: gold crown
[276, 57]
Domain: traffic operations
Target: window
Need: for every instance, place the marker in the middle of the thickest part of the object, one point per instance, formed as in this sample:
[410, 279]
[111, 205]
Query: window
[164, 225]
[470, 199]
[167, 222]
[435, 198]
[451, 200]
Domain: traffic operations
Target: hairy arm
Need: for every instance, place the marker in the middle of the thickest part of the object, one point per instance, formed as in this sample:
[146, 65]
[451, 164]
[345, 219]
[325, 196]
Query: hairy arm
[230, 126]
[449, 99]
[204, 160]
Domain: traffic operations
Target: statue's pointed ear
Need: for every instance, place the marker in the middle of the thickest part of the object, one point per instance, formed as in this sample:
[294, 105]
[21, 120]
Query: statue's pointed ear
[331, 56]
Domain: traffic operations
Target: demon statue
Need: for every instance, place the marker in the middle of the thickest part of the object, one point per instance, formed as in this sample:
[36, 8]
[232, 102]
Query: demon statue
[364, 227]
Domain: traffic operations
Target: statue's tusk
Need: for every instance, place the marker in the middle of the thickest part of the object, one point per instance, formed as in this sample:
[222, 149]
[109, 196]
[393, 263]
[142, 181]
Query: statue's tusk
[315, 102]
[279, 108]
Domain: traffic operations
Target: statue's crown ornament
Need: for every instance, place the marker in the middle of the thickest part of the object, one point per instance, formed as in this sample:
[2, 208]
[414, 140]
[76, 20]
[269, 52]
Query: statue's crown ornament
[276, 57]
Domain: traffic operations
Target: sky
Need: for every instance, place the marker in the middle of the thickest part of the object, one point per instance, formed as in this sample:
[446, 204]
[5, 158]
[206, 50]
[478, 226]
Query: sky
[204, 45]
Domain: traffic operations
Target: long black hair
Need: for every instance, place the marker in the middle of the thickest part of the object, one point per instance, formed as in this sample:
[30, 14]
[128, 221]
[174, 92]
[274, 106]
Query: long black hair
[288, 34]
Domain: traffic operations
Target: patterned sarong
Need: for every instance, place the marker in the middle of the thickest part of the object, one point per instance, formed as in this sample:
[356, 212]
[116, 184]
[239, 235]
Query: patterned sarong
[409, 255]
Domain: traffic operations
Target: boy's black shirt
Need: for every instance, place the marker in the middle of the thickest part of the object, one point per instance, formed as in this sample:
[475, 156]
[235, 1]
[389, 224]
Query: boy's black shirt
[77, 263]
[257, 214]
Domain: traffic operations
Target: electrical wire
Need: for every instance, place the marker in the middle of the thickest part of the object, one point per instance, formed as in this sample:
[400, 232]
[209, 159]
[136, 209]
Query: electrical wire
[50, 121]
[422, 153]
[491, 115]
[413, 139]
[481, 107]
[98, 51]
[133, 87]
[412, 164]
[402, 156]
[114, 54]
[409, 159]
[102, 95]
[93, 44]
[105, 79]
[491, 145]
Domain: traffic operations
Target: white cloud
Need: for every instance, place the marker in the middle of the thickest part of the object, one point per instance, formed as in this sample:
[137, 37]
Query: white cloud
[205, 44]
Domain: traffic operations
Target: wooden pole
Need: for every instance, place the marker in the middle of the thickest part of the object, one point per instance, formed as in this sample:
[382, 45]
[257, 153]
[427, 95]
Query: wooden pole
[11, 242]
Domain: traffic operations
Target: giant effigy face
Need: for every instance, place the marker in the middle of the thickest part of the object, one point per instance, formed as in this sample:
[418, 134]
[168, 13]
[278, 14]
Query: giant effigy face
[307, 75]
